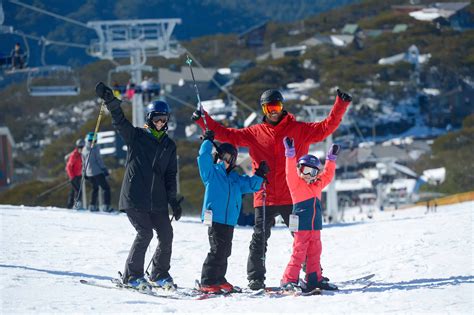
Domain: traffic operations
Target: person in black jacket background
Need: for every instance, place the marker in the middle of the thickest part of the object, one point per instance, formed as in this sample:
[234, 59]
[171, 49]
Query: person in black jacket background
[148, 186]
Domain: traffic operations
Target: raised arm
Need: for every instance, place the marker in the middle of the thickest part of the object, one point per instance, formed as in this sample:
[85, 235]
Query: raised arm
[292, 178]
[205, 161]
[330, 166]
[318, 131]
[238, 137]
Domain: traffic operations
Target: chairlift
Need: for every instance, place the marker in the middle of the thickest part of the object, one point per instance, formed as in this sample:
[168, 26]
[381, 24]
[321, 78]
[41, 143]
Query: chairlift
[54, 80]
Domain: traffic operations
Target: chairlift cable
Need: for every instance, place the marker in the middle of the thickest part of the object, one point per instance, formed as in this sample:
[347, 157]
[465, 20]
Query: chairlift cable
[48, 41]
[49, 13]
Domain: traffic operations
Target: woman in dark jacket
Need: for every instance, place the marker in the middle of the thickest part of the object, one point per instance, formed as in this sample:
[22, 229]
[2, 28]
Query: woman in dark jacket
[148, 186]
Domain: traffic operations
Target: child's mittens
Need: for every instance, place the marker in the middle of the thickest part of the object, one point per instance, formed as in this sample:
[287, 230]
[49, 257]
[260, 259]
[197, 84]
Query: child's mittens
[289, 147]
[333, 152]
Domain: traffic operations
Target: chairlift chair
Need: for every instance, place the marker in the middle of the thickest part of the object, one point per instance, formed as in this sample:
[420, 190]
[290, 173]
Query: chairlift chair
[53, 81]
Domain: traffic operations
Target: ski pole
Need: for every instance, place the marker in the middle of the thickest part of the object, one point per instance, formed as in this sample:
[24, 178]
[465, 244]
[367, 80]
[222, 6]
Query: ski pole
[189, 62]
[101, 112]
[59, 186]
[264, 194]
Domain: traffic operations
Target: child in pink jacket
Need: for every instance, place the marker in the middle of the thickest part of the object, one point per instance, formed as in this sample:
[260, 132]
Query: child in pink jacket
[306, 180]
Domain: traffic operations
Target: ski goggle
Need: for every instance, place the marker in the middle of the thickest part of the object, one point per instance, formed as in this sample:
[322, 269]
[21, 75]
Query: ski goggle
[306, 170]
[160, 118]
[272, 107]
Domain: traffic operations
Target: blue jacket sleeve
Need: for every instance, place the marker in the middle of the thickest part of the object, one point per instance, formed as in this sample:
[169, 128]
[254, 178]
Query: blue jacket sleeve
[250, 184]
[205, 161]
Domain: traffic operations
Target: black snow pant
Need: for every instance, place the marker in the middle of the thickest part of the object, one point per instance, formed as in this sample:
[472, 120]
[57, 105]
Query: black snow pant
[99, 180]
[144, 223]
[75, 185]
[255, 264]
[215, 265]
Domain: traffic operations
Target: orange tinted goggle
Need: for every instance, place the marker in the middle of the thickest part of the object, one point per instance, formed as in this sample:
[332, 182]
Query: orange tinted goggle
[272, 107]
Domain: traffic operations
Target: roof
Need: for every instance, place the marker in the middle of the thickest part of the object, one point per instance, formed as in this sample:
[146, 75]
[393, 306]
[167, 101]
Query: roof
[443, 10]
[350, 29]
[5, 131]
[399, 28]
[253, 28]
[167, 76]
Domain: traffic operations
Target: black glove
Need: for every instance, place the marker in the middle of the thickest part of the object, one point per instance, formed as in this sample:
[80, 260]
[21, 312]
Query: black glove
[104, 92]
[208, 135]
[262, 170]
[196, 115]
[344, 96]
[106, 172]
[176, 207]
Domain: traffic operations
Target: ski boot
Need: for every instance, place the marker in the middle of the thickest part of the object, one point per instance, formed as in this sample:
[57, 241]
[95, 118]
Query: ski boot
[166, 284]
[140, 284]
[256, 284]
[291, 287]
[210, 288]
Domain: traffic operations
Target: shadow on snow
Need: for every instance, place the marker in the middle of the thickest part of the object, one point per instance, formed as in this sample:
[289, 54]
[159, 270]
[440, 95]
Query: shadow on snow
[59, 273]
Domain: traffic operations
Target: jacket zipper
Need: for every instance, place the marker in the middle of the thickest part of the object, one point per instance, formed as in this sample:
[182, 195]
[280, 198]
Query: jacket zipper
[314, 213]
[228, 199]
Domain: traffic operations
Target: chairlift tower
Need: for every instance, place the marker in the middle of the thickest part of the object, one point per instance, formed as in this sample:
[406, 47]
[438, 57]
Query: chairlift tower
[137, 40]
[318, 113]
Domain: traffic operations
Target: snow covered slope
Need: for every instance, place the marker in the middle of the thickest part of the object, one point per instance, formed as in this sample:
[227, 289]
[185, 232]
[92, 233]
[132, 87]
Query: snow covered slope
[423, 263]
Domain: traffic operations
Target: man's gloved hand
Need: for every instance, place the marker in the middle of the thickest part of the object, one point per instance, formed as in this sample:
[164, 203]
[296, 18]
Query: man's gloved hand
[106, 172]
[262, 170]
[208, 135]
[289, 147]
[196, 115]
[333, 151]
[344, 96]
[104, 92]
[176, 207]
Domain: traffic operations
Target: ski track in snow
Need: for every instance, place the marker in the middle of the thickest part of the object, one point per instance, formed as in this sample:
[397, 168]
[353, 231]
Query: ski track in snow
[422, 264]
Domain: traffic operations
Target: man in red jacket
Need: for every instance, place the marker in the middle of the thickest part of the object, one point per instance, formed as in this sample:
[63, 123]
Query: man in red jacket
[265, 143]
[74, 172]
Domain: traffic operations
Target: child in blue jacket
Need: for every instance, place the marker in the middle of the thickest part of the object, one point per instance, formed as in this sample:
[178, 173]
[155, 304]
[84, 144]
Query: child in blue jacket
[222, 203]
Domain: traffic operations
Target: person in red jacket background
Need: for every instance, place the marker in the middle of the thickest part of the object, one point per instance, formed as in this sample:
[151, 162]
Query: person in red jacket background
[74, 172]
[306, 181]
[265, 142]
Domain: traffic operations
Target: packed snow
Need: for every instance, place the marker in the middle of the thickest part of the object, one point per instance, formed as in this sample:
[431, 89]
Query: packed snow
[423, 263]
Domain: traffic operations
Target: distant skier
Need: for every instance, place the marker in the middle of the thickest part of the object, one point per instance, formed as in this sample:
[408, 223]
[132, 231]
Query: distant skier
[96, 173]
[306, 182]
[74, 172]
[149, 185]
[264, 141]
[221, 207]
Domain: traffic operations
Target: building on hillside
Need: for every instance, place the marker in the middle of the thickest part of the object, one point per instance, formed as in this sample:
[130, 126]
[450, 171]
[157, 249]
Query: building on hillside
[351, 29]
[455, 15]
[254, 36]
[412, 55]
[7, 145]
[240, 65]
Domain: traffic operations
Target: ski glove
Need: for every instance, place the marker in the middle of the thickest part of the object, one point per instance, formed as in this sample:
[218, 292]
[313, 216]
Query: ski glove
[262, 170]
[209, 135]
[106, 172]
[344, 96]
[104, 92]
[176, 207]
[196, 115]
[289, 147]
[332, 154]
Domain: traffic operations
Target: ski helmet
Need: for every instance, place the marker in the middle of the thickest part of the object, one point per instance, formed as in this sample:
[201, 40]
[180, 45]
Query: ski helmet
[157, 108]
[227, 152]
[270, 96]
[80, 143]
[310, 161]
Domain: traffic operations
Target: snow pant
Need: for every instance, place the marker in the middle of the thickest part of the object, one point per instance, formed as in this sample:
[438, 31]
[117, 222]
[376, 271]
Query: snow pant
[306, 247]
[215, 265]
[144, 223]
[75, 186]
[255, 265]
[99, 180]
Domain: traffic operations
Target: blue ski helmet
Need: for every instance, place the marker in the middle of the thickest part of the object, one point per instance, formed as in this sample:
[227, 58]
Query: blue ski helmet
[157, 108]
[309, 161]
[90, 136]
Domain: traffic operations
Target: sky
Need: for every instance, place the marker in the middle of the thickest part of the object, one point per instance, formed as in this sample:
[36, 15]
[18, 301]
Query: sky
[423, 263]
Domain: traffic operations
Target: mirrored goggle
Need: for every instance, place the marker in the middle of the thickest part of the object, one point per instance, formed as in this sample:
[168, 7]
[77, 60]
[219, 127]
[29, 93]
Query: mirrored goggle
[272, 107]
[160, 118]
[306, 170]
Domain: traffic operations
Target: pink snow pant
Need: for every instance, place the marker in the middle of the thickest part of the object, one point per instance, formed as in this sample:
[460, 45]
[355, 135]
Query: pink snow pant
[306, 246]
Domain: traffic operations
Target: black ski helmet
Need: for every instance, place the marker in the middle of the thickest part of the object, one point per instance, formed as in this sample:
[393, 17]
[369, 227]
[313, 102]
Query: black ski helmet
[157, 108]
[270, 96]
[228, 149]
[80, 143]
